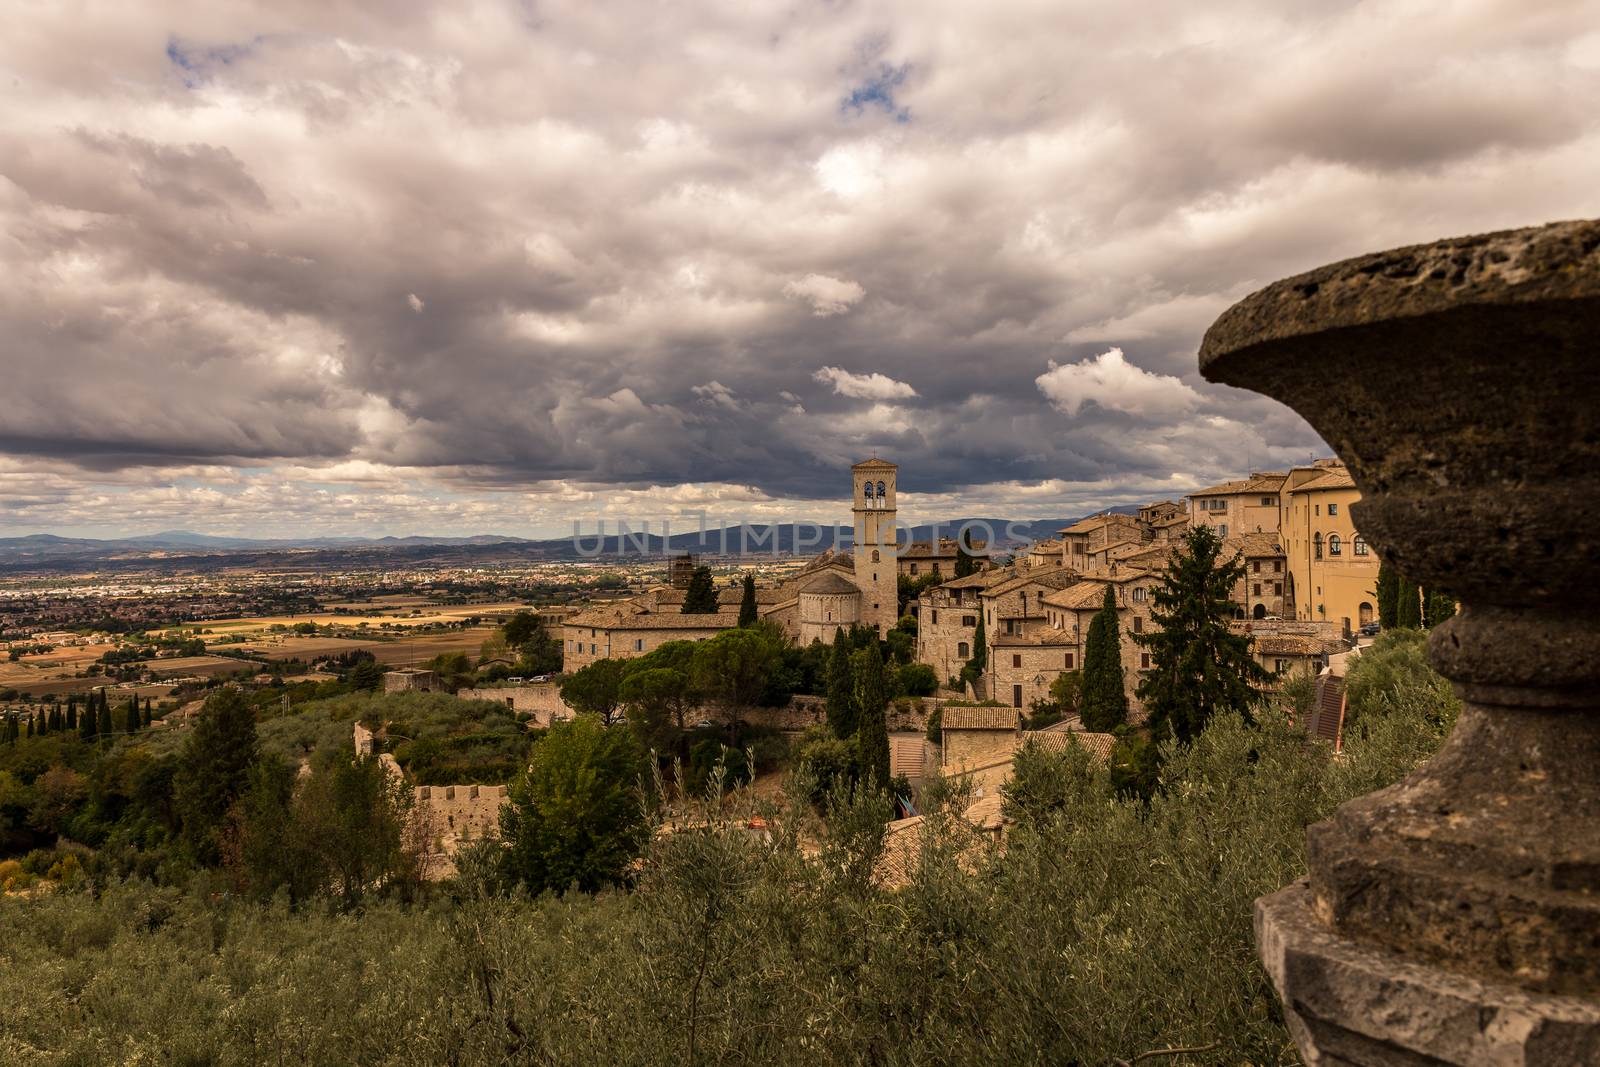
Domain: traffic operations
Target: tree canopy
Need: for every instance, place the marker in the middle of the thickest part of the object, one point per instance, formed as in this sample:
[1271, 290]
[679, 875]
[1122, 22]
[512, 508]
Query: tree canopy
[1103, 697]
[701, 597]
[1198, 665]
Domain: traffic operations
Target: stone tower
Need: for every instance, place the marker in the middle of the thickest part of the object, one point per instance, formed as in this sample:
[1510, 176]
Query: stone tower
[876, 542]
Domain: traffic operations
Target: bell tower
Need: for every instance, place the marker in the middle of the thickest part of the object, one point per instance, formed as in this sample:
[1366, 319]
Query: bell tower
[877, 542]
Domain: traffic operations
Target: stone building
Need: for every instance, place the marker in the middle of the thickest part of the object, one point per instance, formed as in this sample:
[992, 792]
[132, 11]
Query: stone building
[834, 589]
[975, 736]
[922, 558]
[947, 622]
[1260, 593]
[1086, 542]
[1248, 505]
[1332, 572]
[410, 680]
[1070, 611]
[1022, 667]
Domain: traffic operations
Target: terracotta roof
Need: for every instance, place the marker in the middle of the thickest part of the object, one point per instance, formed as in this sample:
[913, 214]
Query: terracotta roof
[654, 620]
[1049, 577]
[828, 582]
[986, 812]
[1094, 522]
[1290, 645]
[1084, 595]
[1336, 478]
[1176, 520]
[968, 718]
[875, 464]
[1044, 637]
[1099, 745]
[1253, 545]
[1258, 482]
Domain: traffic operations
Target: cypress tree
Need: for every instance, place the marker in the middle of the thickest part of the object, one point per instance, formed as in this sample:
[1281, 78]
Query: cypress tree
[1198, 665]
[747, 603]
[966, 562]
[88, 719]
[980, 652]
[1408, 607]
[104, 727]
[872, 731]
[72, 713]
[148, 701]
[841, 688]
[133, 714]
[212, 769]
[30, 727]
[1103, 699]
[701, 597]
[1388, 594]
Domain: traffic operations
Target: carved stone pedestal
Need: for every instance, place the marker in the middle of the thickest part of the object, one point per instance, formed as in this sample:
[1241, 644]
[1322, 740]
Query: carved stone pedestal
[1454, 918]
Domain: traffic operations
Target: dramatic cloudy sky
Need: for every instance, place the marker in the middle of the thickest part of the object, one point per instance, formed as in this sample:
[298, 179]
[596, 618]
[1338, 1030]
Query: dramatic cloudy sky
[303, 266]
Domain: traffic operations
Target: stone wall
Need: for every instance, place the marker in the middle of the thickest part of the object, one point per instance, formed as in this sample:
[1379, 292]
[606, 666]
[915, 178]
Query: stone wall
[967, 749]
[454, 815]
[542, 701]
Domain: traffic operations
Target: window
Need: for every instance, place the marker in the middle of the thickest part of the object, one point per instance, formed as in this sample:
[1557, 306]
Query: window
[638, 644]
[963, 650]
[913, 568]
[935, 614]
[1138, 624]
[1255, 589]
[969, 620]
[1335, 546]
[936, 569]
[1079, 548]
[1139, 594]
[1016, 659]
[591, 648]
[1016, 696]
[1144, 661]
[1333, 509]
[1318, 508]
[1277, 588]
[1067, 664]
[1256, 566]
[1316, 545]
[875, 558]
[1358, 546]
[1222, 529]
[1269, 501]
[1277, 566]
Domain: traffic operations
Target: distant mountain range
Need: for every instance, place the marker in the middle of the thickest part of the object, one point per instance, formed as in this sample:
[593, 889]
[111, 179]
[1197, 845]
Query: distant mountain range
[178, 549]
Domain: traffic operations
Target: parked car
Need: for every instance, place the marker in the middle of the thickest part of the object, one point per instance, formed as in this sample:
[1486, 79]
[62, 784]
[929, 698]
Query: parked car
[1370, 630]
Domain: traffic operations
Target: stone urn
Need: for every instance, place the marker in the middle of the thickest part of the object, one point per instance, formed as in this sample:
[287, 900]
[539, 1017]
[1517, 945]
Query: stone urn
[1455, 917]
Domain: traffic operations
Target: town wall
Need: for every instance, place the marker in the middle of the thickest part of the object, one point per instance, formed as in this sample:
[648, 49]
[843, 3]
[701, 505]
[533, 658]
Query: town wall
[542, 701]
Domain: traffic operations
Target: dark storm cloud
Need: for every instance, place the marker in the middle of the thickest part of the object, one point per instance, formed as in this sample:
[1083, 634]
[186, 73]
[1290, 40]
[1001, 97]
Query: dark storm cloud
[498, 246]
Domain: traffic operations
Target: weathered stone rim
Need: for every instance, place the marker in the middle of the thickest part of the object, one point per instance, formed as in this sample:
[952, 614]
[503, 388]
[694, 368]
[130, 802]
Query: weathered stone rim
[1555, 261]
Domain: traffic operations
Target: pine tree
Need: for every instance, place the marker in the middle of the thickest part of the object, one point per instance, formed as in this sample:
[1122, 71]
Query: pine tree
[1408, 606]
[1198, 665]
[1103, 699]
[1388, 594]
[842, 717]
[701, 597]
[747, 603]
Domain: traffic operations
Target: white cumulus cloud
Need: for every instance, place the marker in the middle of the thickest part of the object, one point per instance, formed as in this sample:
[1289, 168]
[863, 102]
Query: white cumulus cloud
[827, 296]
[864, 386]
[1111, 382]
